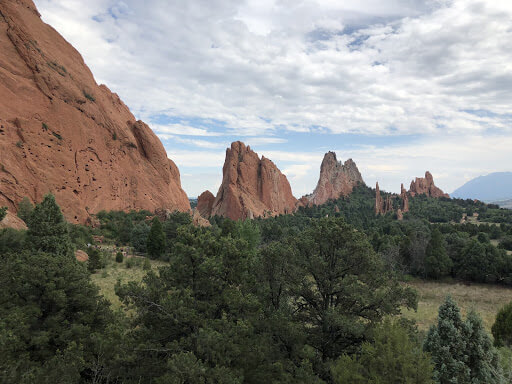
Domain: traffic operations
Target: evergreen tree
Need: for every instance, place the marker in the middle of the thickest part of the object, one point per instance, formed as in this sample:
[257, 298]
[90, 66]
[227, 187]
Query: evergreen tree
[447, 345]
[483, 360]
[155, 244]
[48, 230]
[139, 236]
[395, 356]
[3, 212]
[25, 209]
[95, 260]
[53, 322]
[502, 327]
[437, 263]
[462, 352]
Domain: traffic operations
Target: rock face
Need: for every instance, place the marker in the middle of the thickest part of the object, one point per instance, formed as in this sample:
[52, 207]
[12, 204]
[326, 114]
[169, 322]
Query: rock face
[336, 179]
[405, 199]
[426, 186]
[62, 133]
[251, 187]
[12, 221]
[205, 204]
[379, 209]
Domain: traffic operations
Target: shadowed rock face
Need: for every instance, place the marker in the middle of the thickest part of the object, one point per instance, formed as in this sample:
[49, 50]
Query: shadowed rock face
[251, 187]
[336, 179]
[205, 204]
[62, 133]
[426, 186]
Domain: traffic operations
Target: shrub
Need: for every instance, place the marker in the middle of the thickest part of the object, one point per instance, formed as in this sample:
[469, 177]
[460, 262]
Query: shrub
[119, 257]
[89, 96]
[3, 212]
[19, 144]
[146, 265]
[502, 327]
[45, 126]
[25, 209]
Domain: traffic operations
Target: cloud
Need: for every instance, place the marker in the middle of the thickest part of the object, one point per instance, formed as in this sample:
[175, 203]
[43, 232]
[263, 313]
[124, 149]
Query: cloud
[269, 69]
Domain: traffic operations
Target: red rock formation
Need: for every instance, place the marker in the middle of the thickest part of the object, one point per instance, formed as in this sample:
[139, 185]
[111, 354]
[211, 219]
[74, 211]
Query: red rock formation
[336, 179]
[251, 187]
[405, 199]
[388, 206]
[378, 201]
[205, 204]
[426, 186]
[399, 214]
[62, 133]
[81, 255]
[12, 221]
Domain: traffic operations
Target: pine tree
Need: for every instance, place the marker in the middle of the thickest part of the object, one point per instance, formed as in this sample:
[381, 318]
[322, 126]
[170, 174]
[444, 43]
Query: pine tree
[502, 327]
[437, 263]
[156, 240]
[447, 344]
[483, 358]
[48, 230]
[462, 352]
[25, 209]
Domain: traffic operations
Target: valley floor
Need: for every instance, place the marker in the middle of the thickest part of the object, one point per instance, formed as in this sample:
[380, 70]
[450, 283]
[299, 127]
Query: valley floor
[486, 299]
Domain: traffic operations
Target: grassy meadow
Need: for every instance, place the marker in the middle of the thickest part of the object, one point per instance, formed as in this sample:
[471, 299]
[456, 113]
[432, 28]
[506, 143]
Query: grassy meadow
[485, 299]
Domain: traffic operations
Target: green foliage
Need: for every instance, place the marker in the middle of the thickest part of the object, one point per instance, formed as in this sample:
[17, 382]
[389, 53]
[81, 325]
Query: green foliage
[336, 265]
[119, 257]
[45, 126]
[505, 357]
[25, 209]
[437, 262]
[394, 356]
[53, 323]
[155, 244]
[506, 243]
[89, 97]
[502, 327]
[81, 236]
[96, 259]
[19, 144]
[3, 212]
[461, 351]
[11, 240]
[146, 266]
[47, 229]
[58, 136]
[435, 210]
[139, 236]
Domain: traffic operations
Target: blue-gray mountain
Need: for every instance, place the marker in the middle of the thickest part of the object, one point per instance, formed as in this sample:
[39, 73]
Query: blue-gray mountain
[493, 187]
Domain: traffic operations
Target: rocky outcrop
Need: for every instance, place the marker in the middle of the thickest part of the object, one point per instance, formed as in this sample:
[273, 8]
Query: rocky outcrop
[62, 133]
[198, 220]
[426, 186]
[81, 255]
[251, 187]
[379, 209]
[405, 199]
[336, 179]
[12, 221]
[205, 204]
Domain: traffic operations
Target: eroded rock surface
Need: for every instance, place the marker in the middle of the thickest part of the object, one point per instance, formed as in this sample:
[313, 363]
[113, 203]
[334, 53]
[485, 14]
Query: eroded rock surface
[60, 132]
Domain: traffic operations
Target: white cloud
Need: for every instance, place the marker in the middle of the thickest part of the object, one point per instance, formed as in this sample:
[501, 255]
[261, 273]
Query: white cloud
[438, 69]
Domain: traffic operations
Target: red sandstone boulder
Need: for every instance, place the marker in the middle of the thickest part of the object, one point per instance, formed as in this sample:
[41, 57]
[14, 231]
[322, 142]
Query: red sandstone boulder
[379, 203]
[251, 187]
[405, 199]
[81, 255]
[60, 132]
[205, 204]
[426, 186]
[12, 221]
[336, 179]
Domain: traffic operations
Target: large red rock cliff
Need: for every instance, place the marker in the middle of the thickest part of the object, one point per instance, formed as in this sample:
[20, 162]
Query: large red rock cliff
[62, 133]
[336, 179]
[251, 187]
[426, 186]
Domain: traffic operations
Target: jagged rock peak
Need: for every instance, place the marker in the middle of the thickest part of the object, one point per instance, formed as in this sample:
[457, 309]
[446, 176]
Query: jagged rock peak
[379, 209]
[251, 187]
[336, 179]
[61, 132]
[405, 200]
[426, 186]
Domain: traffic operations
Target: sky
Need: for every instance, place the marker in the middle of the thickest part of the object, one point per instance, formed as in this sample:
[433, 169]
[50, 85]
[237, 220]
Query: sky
[399, 86]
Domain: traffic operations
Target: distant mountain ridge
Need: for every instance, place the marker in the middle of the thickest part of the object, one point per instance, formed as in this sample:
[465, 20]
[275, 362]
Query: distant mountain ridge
[489, 188]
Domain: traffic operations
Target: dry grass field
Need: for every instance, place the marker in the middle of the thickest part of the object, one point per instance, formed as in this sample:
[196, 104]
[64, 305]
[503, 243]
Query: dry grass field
[485, 299]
